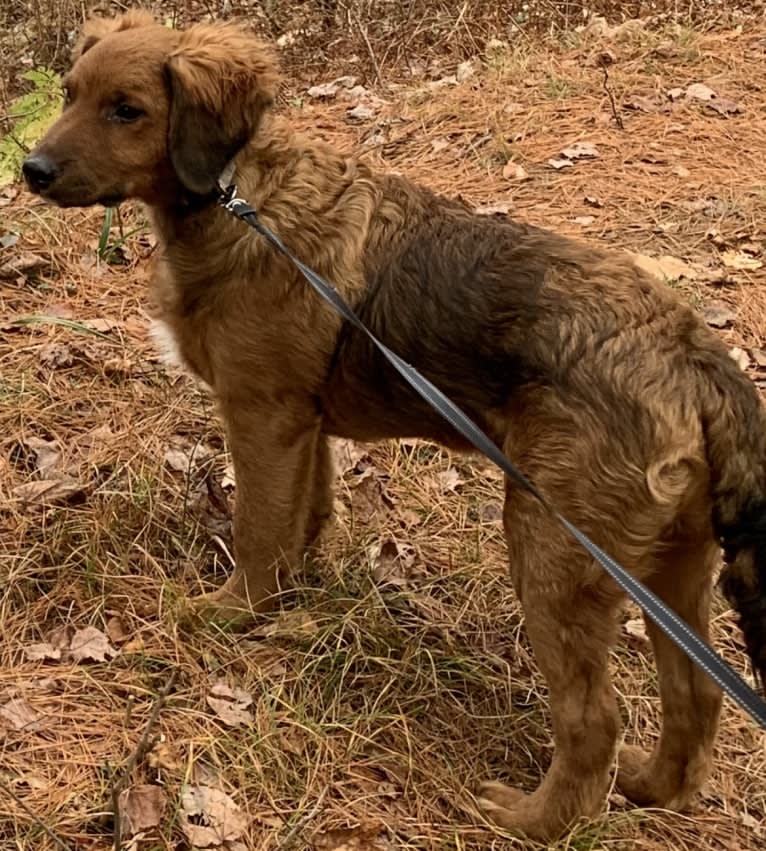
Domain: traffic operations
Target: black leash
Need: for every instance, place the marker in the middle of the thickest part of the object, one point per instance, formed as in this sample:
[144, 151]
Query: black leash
[694, 647]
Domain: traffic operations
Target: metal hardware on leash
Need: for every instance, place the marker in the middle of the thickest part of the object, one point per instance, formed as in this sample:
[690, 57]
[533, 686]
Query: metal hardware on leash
[665, 618]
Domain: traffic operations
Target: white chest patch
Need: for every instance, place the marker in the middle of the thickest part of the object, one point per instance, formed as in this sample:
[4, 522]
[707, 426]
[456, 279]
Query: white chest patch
[166, 344]
[170, 352]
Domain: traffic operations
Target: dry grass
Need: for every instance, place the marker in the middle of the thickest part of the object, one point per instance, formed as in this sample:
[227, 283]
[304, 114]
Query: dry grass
[375, 702]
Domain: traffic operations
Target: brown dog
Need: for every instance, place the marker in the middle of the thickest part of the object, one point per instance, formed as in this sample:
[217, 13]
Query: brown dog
[608, 391]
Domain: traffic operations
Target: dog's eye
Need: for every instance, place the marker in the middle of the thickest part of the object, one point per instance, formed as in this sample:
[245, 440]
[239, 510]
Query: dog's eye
[125, 113]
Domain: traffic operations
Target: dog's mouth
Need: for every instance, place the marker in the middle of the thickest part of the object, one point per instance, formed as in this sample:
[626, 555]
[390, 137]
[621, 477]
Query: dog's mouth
[79, 199]
[110, 200]
[58, 183]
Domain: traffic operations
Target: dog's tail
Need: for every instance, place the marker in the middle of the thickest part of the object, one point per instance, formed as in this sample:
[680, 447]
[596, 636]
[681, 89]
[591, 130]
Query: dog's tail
[734, 421]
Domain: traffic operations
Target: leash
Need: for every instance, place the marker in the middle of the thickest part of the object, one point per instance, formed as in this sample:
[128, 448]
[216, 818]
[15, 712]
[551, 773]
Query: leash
[695, 648]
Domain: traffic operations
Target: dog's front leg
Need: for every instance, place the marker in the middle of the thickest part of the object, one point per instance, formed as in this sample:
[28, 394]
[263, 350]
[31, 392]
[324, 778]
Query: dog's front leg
[279, 461]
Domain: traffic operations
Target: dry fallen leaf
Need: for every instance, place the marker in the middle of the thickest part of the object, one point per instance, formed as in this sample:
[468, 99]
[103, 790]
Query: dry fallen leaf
[715, 236]
[362, 838]
[465, 71]
[116, 630]
[90, 645]
[408, 517]
[228, 480]
[163, 756]
[759, 356]
[368, 499]
[49, 492]
[515, 108]
[699, 91]
[502, 208]
[141, 808]
[101, 325]
[681, 171]
[718, 315]
[491, 512]
[34, 781]
[360, 112]
[723, 107]
[740, 357]
[665, 268]
[391, 562]
[323, 90]
[751, 246]
[642, 103]
[751, 823]
[295, 622]
[211, 508]
[580, 151]
[230, 705]
[42, 652]
[55, 355]
[560, 163]
[60, 637]
[22, 264]
[347, 454]
[329, 90]
[47, 454]
[356, 93]
[209, 817]
[514, 171]
[636, 628]
[449, 80]
[584, 220]
[17, 714]
[183, 454]
[448, 480]
[646, 103]
[743, 262]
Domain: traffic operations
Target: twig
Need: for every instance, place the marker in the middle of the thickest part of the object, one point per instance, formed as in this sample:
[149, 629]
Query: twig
[59, 842]
[302, 822]
[25, 148]
[375, 65]
[145, 744]
[604, 61]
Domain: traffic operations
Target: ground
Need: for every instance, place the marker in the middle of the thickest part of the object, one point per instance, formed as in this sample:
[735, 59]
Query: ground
[398, 674]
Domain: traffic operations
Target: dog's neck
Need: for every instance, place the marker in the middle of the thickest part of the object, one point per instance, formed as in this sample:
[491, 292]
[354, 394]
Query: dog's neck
[277, 174]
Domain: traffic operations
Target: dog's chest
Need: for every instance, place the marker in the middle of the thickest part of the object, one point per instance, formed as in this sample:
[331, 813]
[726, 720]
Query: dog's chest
[169, 347]
[166, 344]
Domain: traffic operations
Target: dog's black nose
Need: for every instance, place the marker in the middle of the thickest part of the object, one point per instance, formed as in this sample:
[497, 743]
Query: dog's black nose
[39, 172]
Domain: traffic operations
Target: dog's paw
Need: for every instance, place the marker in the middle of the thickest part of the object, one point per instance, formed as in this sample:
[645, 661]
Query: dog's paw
[634, 778]
[495, 796]
[219, 607]
[647, 782]
[518, 812]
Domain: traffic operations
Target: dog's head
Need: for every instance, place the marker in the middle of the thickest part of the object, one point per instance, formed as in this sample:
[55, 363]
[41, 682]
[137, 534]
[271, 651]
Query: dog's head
[152, 113]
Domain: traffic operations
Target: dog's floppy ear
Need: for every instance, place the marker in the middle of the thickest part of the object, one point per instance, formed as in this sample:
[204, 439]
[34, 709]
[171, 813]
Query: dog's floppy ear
[95, 29]
[221, 81]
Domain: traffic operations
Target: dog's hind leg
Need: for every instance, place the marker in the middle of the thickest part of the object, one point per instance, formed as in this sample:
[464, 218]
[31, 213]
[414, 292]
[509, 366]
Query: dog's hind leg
[681, 760]
[570, 618]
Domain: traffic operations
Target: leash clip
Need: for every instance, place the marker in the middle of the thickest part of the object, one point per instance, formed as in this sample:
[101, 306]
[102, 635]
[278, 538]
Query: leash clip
[232, 203]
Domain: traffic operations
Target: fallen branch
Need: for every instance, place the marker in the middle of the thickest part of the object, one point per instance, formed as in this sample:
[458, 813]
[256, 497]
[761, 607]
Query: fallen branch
[604, 61]
[302, 822]
[145, 744]
[59, 842]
